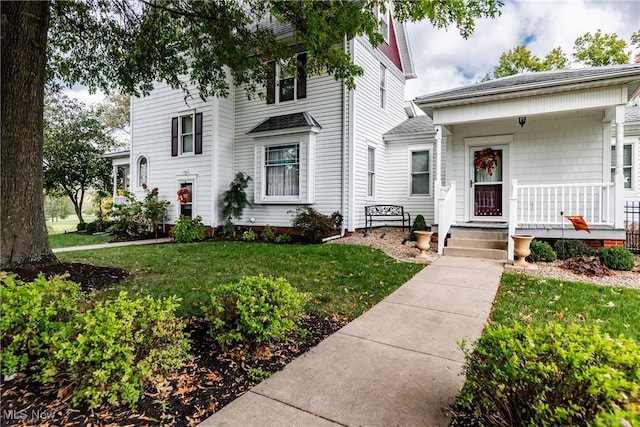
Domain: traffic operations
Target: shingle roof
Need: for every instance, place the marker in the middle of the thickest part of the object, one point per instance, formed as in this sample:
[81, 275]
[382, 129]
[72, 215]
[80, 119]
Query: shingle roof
[287, 121]
[533, 80]
[415, 124]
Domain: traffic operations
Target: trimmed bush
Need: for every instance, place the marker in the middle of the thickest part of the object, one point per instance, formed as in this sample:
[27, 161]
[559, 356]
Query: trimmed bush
[549, 375]
[249, 236]
[311, 224]
[419, 224]
[269, 234]
[113, 350]
[616, 258]
[566, 249]
[188, 229]
[541, 252]
[31, 314]
[283, 238]
[256, 310]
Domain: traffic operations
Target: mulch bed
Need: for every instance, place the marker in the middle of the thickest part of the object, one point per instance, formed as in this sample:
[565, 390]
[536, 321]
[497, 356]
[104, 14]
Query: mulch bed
[208, 381]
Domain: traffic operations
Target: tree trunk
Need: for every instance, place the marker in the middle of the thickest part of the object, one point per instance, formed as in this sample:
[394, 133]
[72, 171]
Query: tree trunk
[23, 232]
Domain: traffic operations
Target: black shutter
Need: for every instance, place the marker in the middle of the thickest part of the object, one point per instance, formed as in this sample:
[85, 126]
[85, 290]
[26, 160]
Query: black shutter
[174, 136]
[302, 76]
[271, 83]
[198, 134]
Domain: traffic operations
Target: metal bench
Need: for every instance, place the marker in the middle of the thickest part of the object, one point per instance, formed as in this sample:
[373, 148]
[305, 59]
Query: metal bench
[388, 213]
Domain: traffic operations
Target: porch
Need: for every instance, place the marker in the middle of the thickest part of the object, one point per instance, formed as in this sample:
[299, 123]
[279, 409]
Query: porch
[541, 211]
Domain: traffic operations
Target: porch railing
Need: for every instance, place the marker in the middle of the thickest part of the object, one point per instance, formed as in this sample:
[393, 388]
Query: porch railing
[446, 213]
[542, 204]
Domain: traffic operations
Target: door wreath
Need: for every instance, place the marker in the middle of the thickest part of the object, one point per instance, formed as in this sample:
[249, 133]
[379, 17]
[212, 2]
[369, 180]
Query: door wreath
[184, 195]
[486, 159]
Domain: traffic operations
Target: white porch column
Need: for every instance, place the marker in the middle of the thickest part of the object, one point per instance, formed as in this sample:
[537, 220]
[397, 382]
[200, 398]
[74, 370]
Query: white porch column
[618, 207]
[437, 182]
[115, 180]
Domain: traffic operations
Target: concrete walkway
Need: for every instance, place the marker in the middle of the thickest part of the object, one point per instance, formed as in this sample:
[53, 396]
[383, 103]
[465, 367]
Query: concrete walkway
[113, 245]
[397, 364]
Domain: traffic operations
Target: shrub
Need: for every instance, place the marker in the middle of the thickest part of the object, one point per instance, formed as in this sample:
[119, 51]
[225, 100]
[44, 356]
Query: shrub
[249, 236]
[188, 229]
[418, 225]
[269, 234]
[627, 416]
[31, 313]
[256, 310]
[311, 224]
[541, 252]
[235, 201]
[283, 238]
[616, 258]
[138, 217]
[113, 350]
[566, 249]
[548, 375]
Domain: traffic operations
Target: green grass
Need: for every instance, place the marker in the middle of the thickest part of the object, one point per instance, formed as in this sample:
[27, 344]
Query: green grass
[68, 224]
[340, 279]
[72, 239]
[528, 299]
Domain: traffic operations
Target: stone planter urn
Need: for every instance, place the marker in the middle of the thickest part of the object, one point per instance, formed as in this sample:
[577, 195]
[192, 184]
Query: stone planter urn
[521, 249]
[423, 243]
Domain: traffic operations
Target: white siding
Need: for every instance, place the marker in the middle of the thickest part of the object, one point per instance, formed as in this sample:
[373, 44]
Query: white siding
[371, 122]
[151, 136]
[545, 151]
[324, 103]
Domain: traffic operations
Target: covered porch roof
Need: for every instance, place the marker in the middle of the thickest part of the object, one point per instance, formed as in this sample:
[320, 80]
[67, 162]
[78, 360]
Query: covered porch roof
[552, 92]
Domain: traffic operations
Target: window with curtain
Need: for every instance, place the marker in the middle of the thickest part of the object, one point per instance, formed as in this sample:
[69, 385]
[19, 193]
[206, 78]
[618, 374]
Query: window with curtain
[371, 172]
[142, 171]
[627, 164]
[282, 170]
[420, 172]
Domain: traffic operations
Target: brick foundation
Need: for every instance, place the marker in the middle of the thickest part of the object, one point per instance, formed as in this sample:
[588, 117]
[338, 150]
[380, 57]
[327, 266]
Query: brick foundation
[613, 243]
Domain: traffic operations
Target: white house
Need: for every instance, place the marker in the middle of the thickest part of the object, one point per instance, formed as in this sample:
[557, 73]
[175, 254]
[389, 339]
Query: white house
[311, 142]
[521, 153]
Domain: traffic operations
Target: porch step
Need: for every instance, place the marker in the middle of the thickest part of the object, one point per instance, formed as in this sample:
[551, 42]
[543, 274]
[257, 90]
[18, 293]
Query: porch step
[474, 243]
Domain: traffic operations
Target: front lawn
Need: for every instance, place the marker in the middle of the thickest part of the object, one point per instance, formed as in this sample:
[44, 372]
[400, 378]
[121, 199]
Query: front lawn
[341, 279]
[64, 240]
[536, 300]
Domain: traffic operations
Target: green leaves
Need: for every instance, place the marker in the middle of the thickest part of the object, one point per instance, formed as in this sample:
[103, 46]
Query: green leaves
[600, 49]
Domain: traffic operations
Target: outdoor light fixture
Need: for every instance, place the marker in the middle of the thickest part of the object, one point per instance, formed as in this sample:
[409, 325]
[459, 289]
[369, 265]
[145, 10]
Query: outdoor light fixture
[522, 120]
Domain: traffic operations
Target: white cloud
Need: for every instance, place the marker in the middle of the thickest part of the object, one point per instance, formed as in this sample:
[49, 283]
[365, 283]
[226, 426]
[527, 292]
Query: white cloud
[82, 94]
[444, 60]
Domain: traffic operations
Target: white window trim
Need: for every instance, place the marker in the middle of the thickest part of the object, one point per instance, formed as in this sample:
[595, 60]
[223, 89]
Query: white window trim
[182, 114]
[137, 170]
[384, 17]
[372, 147]
[306, 162]
[383, 95]
[634, 166]
[413, 149]
[193, 180]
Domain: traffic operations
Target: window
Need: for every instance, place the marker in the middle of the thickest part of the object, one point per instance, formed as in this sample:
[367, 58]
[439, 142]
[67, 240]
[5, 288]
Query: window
[282, 170]
[186, 134]
[371, 172]
[287, 81]
[384, 24]
[627, 164]
[186, 205]
[142, 171]
[420, 172]
[383, 86]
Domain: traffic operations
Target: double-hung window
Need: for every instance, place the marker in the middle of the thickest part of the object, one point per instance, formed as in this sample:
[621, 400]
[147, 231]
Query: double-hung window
[383, 86]
[420, 172]
[287, 80]
[384, 23]
[371, 172]
[186, 134]
[282, 170]
[627, 164]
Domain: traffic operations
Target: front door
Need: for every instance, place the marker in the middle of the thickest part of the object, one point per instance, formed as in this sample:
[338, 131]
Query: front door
[487, 185]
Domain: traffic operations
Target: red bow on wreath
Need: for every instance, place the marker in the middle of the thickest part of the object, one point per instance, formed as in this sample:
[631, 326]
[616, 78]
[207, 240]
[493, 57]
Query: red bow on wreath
[486, 159]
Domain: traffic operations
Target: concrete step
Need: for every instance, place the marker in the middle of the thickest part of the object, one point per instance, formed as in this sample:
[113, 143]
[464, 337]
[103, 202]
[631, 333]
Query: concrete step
[476, 253]
[479, 235]
[477, 243]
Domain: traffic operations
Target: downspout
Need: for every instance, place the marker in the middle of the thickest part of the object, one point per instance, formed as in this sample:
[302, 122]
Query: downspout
[351, 149]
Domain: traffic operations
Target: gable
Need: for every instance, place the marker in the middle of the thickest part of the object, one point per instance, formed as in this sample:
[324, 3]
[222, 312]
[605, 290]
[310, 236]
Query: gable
[390, 49]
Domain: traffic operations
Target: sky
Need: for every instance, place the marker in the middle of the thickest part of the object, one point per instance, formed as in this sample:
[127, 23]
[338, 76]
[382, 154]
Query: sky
[444, 60]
